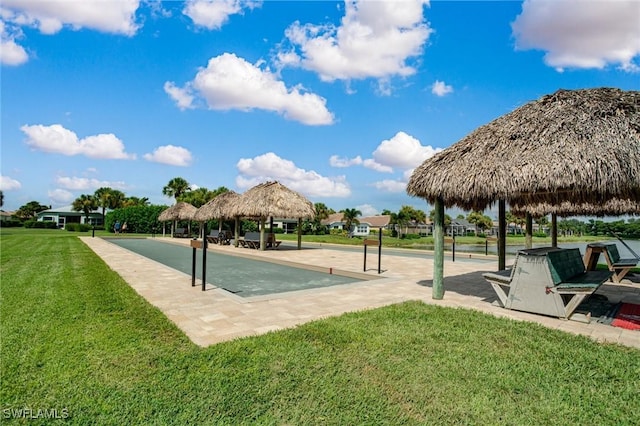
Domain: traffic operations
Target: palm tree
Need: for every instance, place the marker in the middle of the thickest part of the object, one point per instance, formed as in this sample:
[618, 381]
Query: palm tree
[85, 203]
[109, 198]
[135, 201]
[349, 217]
[176, 187]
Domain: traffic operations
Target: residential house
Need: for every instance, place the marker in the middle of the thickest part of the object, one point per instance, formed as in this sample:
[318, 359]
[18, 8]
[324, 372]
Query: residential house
[364, 226]
[64, 215]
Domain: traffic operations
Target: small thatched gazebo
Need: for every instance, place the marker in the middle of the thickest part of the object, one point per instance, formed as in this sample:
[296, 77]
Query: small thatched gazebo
[272, 199]
[218, 208]
[179, 211]
[575, 146]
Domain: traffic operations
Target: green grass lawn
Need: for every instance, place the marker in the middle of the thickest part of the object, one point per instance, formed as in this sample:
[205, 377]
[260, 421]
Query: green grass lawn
[74, 336]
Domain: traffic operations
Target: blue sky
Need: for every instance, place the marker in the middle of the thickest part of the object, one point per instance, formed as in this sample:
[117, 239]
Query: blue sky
[339, 101]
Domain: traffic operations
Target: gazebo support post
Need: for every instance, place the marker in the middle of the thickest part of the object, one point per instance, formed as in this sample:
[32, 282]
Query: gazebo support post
[262, 226]
[502, 235]
[299, 233]
[437, 291]
[236, 231]
[554, 230]
[528, 233]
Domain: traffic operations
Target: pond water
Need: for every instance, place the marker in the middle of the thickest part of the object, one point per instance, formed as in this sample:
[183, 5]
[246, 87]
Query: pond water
[492, 248]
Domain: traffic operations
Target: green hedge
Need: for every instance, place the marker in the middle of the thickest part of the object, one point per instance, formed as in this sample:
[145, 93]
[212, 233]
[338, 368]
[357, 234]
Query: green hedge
[77, 227]
[139, 219]
[10, 223]
[43, 225]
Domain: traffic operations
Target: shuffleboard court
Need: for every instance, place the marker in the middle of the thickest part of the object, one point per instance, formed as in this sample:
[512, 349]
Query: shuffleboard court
[239, 275]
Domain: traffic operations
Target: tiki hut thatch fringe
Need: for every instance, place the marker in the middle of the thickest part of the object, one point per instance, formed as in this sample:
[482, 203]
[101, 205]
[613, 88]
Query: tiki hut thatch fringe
[269, 200]
[218, 208]
[179, 211]
[576, 146]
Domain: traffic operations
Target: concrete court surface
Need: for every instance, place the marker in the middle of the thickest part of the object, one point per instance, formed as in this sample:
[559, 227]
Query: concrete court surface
[213, 316]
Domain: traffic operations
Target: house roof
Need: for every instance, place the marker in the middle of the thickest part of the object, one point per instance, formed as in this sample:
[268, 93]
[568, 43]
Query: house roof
[373, 221]
[67, 210]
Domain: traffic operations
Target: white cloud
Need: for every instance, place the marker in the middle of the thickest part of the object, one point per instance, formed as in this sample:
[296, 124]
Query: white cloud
[212, 14]
[52, 15]
[375, 39]
[336, 161]
[372, 164]
[229, 82]
[182, 96]
[170, 154]
[269, 167]
[60, 196]
[9, 184]
[403, 151]
[82, 184]
[367, 210]
[439, 88]
[391, 185]
[57, 139]
[580, 33]
[11, 53]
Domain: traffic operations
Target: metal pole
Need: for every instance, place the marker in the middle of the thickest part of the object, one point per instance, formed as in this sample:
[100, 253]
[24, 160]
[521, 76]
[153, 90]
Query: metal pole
[502, 235]
[204, 260]
[554, 230]
[486, 247]
[437, 292]
[365, 259]
[193, 268]
[379, 250]
[454, 249]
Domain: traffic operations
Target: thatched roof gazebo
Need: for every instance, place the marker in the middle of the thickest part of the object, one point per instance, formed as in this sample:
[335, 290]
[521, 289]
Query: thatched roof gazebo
[575, 146]
[218, 208]
[179, 211]
[272, 199]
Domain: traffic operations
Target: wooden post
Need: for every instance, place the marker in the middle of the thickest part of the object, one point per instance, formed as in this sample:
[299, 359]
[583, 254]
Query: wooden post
[437, 292]
[237, 232]
[528, 233]
[299, 233]
[262, 226]
[554, 230]
[502, 235]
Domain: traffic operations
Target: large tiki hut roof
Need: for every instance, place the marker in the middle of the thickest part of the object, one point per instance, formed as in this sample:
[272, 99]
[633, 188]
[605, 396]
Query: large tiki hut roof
[613, 207]
[272, 199]
[579, 146]
[179, 211]
[218, 208]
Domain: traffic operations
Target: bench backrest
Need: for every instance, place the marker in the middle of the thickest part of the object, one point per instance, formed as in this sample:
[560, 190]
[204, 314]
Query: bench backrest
[180, 230]
[565, 264]
[612, 251]
[252, 236]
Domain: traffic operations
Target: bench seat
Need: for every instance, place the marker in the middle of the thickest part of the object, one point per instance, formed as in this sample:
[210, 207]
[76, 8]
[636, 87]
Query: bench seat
[548, 281]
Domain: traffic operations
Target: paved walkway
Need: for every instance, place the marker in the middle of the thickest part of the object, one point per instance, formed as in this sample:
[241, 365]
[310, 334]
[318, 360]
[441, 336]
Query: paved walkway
[215, 315]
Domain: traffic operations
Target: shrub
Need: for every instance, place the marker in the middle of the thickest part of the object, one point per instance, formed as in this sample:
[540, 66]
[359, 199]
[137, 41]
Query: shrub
[139, 219]
[10, 223]
[42, 225]
[77, 227]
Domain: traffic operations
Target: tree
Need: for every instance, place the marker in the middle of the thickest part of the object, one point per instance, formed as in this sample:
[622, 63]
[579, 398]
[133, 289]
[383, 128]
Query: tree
[86, 204]
[1, 198]
[30, 210]
[480, 220]
[176, 187]
[135, 201]
[199, 197]
[109, 198]
[350, 218]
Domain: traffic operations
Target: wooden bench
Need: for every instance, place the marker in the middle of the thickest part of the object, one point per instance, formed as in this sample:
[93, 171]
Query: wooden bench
[620, 267]
[272, 242]
[251, 240]
[547, 281]
[212, 238]
[181, 233]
